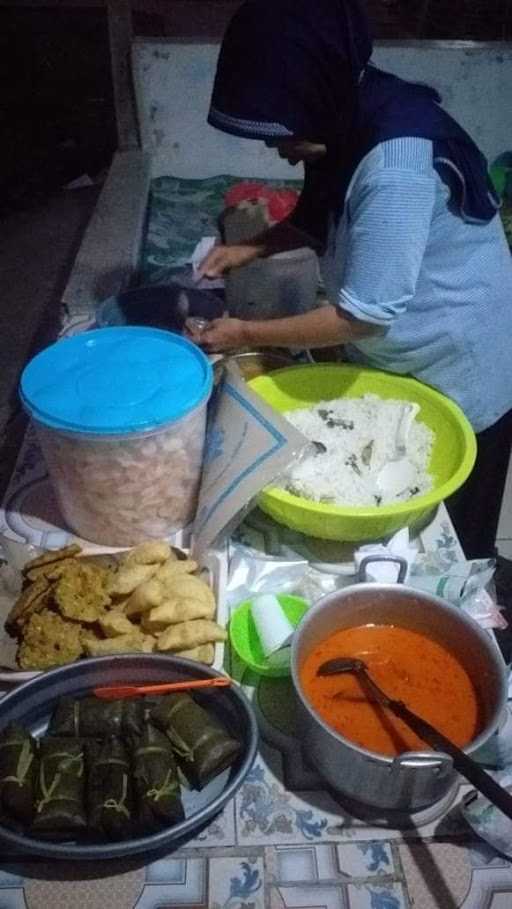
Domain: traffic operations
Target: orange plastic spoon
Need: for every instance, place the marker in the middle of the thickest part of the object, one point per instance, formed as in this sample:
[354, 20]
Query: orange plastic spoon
[130, 691]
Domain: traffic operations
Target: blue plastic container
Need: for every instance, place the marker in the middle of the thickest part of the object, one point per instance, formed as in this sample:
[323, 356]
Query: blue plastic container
[121, 417]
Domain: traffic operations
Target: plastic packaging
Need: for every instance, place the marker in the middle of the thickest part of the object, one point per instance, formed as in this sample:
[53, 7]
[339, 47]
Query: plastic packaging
[121, 416]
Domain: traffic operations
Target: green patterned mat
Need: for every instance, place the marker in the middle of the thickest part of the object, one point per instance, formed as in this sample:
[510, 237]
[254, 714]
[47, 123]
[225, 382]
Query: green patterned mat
[180, 212]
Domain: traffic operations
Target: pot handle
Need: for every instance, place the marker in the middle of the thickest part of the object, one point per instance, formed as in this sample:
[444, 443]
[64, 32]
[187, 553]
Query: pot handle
[439, 763]
[398, 560]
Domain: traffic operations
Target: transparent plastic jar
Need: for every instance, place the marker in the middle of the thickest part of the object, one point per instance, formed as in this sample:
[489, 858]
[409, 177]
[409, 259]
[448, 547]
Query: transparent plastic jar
[137, 475]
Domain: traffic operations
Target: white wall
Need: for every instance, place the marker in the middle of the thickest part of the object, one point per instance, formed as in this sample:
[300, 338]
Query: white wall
[173, 83]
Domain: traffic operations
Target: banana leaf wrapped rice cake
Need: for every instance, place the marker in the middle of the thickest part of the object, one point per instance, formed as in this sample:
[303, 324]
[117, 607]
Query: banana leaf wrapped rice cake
[18, 766]
[91, 718]
[156, 780]
[111, 770]
[60, 790]
[110, 800]
[203, 745]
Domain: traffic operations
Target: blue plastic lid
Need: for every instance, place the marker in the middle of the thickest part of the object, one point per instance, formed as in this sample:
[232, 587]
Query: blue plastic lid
[116, 380]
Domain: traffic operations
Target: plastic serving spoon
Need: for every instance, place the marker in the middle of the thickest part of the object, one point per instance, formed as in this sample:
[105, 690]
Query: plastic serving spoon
[129, 691]
[465, 765]
[398, 473]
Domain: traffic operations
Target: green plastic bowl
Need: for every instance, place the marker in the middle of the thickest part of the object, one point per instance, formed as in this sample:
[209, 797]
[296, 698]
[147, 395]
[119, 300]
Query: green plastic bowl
[453, 454]
[244, 637]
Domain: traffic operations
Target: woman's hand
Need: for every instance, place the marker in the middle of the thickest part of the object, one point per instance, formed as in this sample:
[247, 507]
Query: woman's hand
[223, 258]
[221, 334]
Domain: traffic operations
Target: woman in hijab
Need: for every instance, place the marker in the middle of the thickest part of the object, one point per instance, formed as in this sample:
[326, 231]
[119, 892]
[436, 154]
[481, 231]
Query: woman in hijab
[398, 204]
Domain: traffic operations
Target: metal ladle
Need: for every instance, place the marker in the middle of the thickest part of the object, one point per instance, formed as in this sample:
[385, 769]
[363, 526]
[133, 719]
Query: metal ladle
[465, 765]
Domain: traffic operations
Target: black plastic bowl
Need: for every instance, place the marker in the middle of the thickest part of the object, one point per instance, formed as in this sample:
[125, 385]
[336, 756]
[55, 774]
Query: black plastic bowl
[159, 306]
[32, 704]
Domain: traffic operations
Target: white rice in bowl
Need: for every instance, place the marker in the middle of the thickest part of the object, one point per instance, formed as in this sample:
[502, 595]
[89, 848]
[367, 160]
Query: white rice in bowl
[360, 436]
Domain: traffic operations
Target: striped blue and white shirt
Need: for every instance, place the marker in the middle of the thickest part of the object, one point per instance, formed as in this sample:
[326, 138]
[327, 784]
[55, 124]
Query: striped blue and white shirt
[439, 287]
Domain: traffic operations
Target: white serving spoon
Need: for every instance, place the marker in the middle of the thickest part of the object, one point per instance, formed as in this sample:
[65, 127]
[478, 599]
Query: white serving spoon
[399, 472]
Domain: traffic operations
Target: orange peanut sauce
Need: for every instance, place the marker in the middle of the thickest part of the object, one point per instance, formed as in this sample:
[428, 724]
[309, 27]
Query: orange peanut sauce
[408, 666]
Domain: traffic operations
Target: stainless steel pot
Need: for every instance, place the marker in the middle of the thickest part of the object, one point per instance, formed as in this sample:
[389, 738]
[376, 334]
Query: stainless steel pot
[414, 780]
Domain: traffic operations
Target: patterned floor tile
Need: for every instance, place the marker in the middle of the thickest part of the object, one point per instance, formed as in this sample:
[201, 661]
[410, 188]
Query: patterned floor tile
[175, 871]
[236, 883]
[75, 886]
[266, 812]
[364, 860]
[490, 889]
[437, 874]
[326, 896]
[221, 831]
[175, 882]
[373, 896]
[331, 862]
[305, 864]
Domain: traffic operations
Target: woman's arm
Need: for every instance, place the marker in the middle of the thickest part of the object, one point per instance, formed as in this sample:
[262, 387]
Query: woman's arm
[281, 237]
[327, 326]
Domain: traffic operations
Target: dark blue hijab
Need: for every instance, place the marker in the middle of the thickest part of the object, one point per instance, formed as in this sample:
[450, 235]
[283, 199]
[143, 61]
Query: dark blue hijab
[300, 68]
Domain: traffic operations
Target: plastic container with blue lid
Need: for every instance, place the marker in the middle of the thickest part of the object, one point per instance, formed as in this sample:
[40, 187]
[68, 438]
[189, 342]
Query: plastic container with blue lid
[121, 417]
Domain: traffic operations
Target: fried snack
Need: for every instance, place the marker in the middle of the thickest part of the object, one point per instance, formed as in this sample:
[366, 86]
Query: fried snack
[114, 624]
[96, 605]
[205, 653]
[54, 555]
[32, 599]
[160, 587]
[148, 553]
[170, 570]
[124, 643]
[129, 577]
[118, 606]
[48, 640]
[175, 610]
[145, 597]
[190, 587]
[51, 570]
[190, 634]
[80, 595]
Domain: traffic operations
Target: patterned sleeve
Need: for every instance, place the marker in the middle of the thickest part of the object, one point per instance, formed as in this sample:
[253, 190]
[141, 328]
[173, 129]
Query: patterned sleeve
[388, 224]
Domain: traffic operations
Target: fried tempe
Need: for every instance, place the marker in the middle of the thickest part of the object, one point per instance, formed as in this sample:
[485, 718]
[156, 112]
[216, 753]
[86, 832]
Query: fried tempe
[52, 556]
[50, 571]
[33, 599]
[48, 641]
[80, 594]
